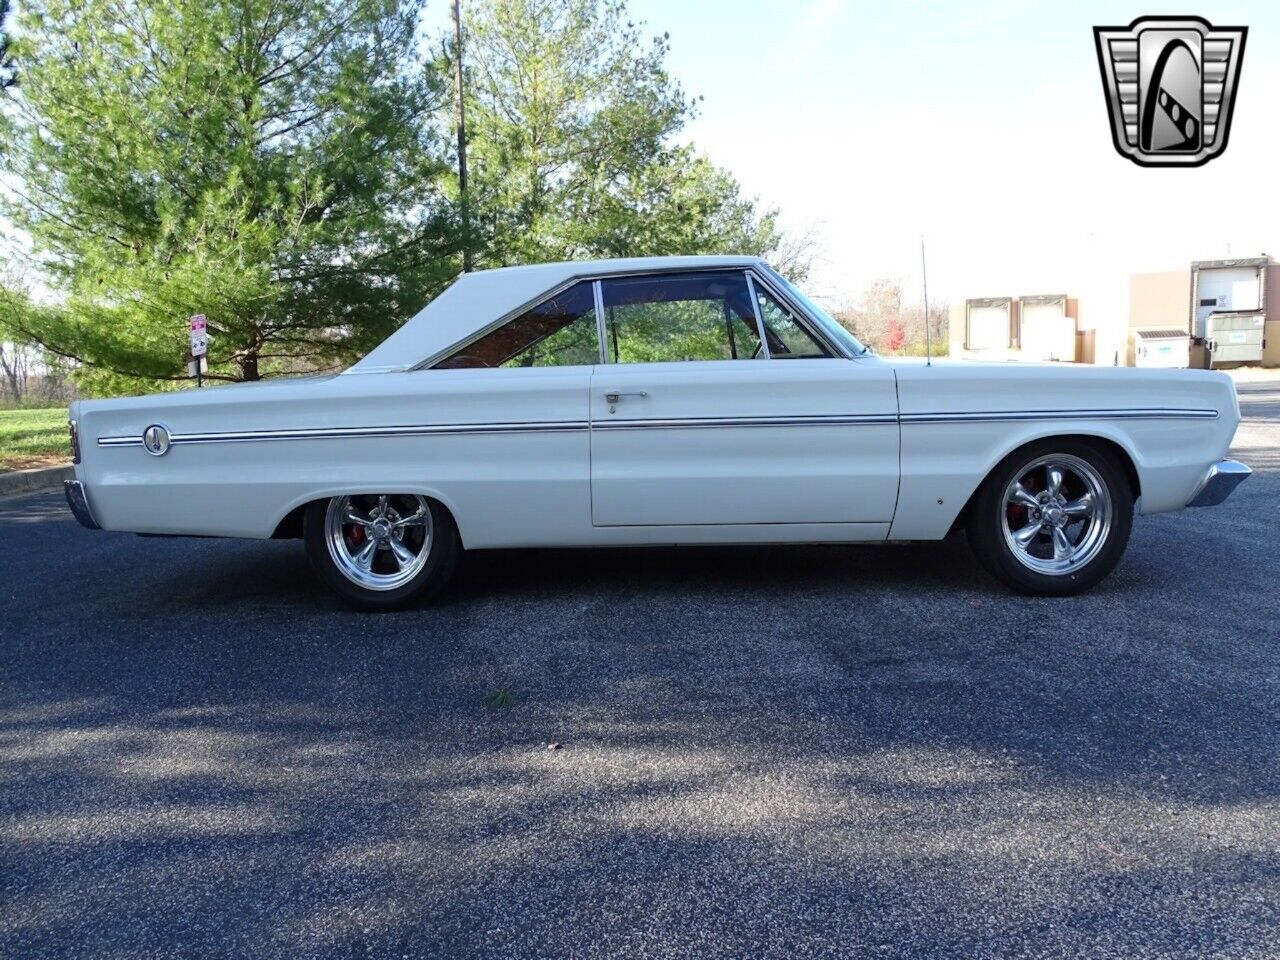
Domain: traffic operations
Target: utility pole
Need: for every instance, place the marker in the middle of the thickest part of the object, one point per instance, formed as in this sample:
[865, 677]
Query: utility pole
[462, 137]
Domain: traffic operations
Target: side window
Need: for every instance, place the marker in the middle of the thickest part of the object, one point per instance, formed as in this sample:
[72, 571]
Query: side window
[694, 316]
[558, 332]
[787, 339]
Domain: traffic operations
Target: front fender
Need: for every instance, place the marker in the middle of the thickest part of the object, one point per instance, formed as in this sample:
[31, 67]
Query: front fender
[943, 464]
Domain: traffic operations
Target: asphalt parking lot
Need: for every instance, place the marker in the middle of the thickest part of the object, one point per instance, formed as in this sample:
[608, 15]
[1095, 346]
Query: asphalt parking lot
[811, 751]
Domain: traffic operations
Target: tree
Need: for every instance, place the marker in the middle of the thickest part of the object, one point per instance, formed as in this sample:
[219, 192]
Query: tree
[894, 336]
[572, 119]
[883, 321]
[8, 72]
[270, 163]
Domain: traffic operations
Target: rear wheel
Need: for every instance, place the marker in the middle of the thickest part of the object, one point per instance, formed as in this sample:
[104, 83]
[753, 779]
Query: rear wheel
[381, 551]
[1053, 518]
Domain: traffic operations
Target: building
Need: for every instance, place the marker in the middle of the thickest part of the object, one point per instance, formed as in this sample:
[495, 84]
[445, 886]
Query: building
[1214, 313]
[1230, 310]
[1038, 328]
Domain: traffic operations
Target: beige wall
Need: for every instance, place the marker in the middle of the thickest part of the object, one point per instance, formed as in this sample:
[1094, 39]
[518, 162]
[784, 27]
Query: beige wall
[1271, 343]
[1158, 301]
[1271, 326]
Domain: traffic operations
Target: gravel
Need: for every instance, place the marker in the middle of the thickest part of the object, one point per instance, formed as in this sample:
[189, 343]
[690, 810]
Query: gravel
[781, 752]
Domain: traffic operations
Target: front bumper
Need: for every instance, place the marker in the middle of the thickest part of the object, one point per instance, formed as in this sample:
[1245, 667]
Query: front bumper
[1223, 477]
[79, 504]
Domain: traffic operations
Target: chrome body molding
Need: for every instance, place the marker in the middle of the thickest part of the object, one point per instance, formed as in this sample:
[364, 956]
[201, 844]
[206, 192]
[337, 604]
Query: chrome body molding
[682, 423]
[336, 433]
[78, 501]
[1020, 416]
[1219, 482]
[564, 426]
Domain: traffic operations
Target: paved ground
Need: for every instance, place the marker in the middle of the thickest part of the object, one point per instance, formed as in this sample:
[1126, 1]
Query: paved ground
[764, 753]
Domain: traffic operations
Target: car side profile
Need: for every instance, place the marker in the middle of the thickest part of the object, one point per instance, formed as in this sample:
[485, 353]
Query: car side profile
[675, 400]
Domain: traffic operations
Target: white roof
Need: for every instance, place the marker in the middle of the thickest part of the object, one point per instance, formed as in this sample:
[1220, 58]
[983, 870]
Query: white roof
[476, 300]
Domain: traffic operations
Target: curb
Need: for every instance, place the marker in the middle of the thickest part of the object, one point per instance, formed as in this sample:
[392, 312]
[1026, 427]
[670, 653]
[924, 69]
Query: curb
[27, 481]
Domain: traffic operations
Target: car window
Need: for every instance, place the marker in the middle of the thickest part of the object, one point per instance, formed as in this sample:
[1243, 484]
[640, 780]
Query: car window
[787, 339]
[690, 316]
[559, 332]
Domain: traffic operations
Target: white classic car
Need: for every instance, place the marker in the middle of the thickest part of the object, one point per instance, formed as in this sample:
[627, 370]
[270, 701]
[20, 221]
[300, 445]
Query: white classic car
[682, 400]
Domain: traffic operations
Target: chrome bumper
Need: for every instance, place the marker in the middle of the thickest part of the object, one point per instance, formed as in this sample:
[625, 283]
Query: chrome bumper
[1223, 477]
[79, 504]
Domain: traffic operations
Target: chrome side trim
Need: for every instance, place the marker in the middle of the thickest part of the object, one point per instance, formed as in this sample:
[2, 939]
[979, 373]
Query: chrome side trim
[1219, 481]
[696, 422]
[120, 441]
[1012, 416]
[566, 426]
[333, 433]
[78, 501]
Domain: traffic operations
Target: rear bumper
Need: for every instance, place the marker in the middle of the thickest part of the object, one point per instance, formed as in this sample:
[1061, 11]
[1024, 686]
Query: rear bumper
[1223, 477]
[78, 501]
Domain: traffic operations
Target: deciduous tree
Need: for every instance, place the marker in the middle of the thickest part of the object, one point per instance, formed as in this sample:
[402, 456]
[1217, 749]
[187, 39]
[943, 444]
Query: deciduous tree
[8, 71]
[269, 163]
[573, 122]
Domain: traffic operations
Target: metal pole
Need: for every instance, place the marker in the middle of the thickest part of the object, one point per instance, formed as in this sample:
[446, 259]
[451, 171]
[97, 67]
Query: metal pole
[462, 137]
[924, 276]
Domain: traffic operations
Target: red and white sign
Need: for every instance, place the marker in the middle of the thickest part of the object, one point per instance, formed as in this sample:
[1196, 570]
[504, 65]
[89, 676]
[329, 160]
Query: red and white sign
[199, 338]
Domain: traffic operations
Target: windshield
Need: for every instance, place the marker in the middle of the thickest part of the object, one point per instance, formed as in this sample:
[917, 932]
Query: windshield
[830, 325]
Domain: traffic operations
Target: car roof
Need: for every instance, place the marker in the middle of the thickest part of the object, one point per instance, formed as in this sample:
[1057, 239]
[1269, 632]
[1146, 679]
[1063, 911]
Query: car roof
[478, 300]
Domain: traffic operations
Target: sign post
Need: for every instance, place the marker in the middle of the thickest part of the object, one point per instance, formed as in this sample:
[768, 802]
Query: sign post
[199, 346]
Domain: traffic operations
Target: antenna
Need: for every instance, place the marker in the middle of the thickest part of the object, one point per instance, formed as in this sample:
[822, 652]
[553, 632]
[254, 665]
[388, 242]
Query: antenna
[924, 277]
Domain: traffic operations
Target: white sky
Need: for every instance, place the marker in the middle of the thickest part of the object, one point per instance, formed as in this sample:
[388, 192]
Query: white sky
[980, 125]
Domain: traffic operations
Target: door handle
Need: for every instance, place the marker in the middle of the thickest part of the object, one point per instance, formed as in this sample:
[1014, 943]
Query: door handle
[613, 396]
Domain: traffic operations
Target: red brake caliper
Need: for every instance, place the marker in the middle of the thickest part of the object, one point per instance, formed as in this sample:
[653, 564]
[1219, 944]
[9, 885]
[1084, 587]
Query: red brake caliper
[1018, 511]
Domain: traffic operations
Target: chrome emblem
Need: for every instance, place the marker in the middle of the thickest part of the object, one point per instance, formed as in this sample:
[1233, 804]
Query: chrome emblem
[156, 439]
[1170, 84]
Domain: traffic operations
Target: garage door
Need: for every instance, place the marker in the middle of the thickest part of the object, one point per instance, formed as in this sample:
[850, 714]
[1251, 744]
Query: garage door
[1225, 290]
[1047, 332]
[988, 327]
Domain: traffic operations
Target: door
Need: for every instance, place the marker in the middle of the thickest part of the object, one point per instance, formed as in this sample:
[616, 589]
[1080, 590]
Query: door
[1047, 333]
[695, 421]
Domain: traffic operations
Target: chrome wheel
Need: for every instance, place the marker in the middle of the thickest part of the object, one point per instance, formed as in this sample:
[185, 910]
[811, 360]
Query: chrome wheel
[379, 541]
[1057, 514]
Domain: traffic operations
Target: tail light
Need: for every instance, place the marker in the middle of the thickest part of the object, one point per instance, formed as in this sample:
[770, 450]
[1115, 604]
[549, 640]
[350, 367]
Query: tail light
[75, 441]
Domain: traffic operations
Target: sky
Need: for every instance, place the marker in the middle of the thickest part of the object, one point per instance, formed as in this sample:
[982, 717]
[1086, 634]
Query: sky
[981, 127]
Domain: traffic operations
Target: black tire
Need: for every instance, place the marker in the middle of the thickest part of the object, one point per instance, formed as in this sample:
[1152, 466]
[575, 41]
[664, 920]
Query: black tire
[441, 562]
[991, 514]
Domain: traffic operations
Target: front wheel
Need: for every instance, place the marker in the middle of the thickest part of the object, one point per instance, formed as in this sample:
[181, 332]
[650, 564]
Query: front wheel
[381, 551]
[1053, 518]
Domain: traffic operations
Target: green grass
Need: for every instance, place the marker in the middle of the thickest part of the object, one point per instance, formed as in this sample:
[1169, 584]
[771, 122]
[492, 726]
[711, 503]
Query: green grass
[32, 438]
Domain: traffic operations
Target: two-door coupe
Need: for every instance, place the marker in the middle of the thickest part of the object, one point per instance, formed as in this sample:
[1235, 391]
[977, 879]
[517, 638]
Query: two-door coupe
[680, 400]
